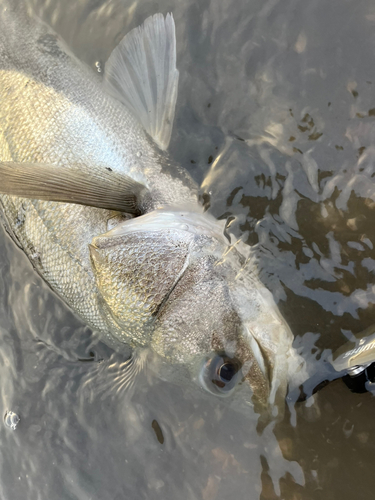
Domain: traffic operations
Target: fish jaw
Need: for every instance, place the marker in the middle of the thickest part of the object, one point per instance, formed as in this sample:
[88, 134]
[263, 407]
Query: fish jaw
[170, 280]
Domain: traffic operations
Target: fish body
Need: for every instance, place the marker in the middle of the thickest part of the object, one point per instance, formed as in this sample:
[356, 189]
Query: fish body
[168, 279]
[53, 109]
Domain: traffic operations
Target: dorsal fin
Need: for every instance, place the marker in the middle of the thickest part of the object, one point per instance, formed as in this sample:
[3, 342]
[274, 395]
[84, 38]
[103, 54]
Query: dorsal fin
[141, 73]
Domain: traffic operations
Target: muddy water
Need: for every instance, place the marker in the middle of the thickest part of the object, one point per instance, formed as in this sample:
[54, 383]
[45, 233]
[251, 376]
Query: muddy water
[276, 119]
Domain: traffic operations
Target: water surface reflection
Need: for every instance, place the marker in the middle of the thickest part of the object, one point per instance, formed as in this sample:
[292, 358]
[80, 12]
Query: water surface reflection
[275, 118]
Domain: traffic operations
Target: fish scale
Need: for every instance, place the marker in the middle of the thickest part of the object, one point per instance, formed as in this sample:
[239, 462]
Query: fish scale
[48, 118]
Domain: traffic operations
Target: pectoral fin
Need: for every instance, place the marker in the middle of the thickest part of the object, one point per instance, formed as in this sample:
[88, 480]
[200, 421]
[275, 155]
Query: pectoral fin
[115, 377]
[141, 73]
[108, 189]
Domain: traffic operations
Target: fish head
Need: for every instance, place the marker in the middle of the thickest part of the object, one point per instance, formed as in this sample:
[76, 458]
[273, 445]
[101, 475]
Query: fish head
[171, 281]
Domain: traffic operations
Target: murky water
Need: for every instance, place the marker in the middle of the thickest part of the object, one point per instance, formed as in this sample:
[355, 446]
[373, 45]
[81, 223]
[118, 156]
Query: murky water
[276, 118]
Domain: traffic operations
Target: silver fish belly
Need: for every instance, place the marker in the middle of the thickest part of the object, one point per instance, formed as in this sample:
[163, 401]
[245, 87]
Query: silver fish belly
[167, 279]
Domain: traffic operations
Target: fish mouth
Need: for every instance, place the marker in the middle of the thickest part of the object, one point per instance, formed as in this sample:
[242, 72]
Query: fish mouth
[259, 374]
[254, 378]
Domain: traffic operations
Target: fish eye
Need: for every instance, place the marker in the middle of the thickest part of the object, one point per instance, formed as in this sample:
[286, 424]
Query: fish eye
[220, 374]
[227, 371]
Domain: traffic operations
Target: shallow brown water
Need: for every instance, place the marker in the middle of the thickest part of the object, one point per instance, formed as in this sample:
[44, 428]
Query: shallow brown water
[276, 118]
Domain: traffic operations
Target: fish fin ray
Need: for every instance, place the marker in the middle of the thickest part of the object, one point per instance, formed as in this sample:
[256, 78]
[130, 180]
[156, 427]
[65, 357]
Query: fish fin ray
[108, 189]
[141, 73]
[114, 377]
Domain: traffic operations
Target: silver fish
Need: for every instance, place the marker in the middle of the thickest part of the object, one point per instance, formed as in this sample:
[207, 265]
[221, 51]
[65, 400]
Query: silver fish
[115, 226]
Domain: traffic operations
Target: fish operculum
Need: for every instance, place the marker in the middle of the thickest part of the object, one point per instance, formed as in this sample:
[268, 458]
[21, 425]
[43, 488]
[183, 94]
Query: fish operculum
[139, 263]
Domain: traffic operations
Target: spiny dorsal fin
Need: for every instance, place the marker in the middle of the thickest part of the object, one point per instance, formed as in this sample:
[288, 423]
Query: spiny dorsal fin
[108, 189]
[141, 73]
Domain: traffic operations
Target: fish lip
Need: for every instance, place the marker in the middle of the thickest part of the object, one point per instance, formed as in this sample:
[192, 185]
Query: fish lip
[259, 354]
[255, 365]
